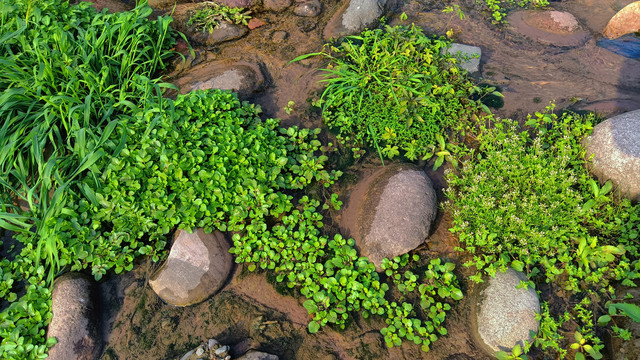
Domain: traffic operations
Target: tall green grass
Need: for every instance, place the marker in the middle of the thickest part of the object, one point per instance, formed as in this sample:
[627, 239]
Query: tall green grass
[68, 75]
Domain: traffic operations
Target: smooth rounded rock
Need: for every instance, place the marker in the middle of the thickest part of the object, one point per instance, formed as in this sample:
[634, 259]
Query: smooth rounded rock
[549, 27]
[310, 8]
[74, 324]
[222, 33]
[394, 214]
[353, 17]
[198, 265]
[624, 22]
[506, 315]
[242, 77]
[257, 355]
[276, 5]
[614, 151]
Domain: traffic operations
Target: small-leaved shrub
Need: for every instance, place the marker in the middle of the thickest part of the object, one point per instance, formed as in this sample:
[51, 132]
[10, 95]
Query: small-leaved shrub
[525, 199]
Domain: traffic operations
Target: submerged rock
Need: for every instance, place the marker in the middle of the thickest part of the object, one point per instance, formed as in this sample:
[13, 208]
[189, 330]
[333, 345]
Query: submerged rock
[276, 5]
[468, 56]
[395, 213]
[507, 315]
[74, 323]
[257, 355]
[353, 17]
[309, 8]
[242, 77]
[624, 22]
[198, 265]
[614, 150]
[549, 27]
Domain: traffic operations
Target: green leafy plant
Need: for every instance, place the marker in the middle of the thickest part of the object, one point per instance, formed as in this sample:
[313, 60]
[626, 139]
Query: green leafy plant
[497, 8]
[395, 89]
[516, 354]
[212, 15]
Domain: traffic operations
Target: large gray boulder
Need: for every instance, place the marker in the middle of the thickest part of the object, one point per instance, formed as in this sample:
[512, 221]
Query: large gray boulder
[506, 314]
[353, 17]
[242, 77]
[614, 150]
[198, 265]
[395, 213]
[74, 324]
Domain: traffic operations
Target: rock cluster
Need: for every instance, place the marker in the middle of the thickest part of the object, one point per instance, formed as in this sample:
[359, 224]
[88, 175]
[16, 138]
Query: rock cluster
[213, 350]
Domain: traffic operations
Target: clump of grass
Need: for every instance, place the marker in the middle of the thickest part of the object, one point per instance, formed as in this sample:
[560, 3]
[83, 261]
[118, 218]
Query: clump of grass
[213, 14]
[395, 89]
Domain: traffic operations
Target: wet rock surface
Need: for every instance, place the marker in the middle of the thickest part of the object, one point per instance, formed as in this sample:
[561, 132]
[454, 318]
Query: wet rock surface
[507, 315]
[468, 56]
[276, 5]
[549, 27]
[394, 215]
[74, 322]
[309, 8]
[353, 17]
[242, 77]
[222, 33]
[614, 149]
[198, 265]
[624, 22]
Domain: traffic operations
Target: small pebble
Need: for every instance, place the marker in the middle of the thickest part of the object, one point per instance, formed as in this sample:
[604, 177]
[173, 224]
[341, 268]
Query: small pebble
[310, 8]
[279, 36]
[255, 23]
[212, 343]
[222, 351]
[199, 351]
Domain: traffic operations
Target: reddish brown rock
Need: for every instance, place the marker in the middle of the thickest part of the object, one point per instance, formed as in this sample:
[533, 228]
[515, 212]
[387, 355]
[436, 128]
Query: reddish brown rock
[624, 22]
[198, 265]
[255, 23]
[549, 27]
[276, 5]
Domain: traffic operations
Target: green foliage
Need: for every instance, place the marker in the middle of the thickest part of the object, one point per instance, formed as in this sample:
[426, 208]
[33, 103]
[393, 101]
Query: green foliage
[212, 14]
[439, 281]
[497, 8]
[516, 354]
[67, 75]
[525, 199]
[395, 89]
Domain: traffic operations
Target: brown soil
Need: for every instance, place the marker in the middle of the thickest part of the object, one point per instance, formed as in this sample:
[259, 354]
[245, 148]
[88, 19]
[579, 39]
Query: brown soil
[249, 313]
